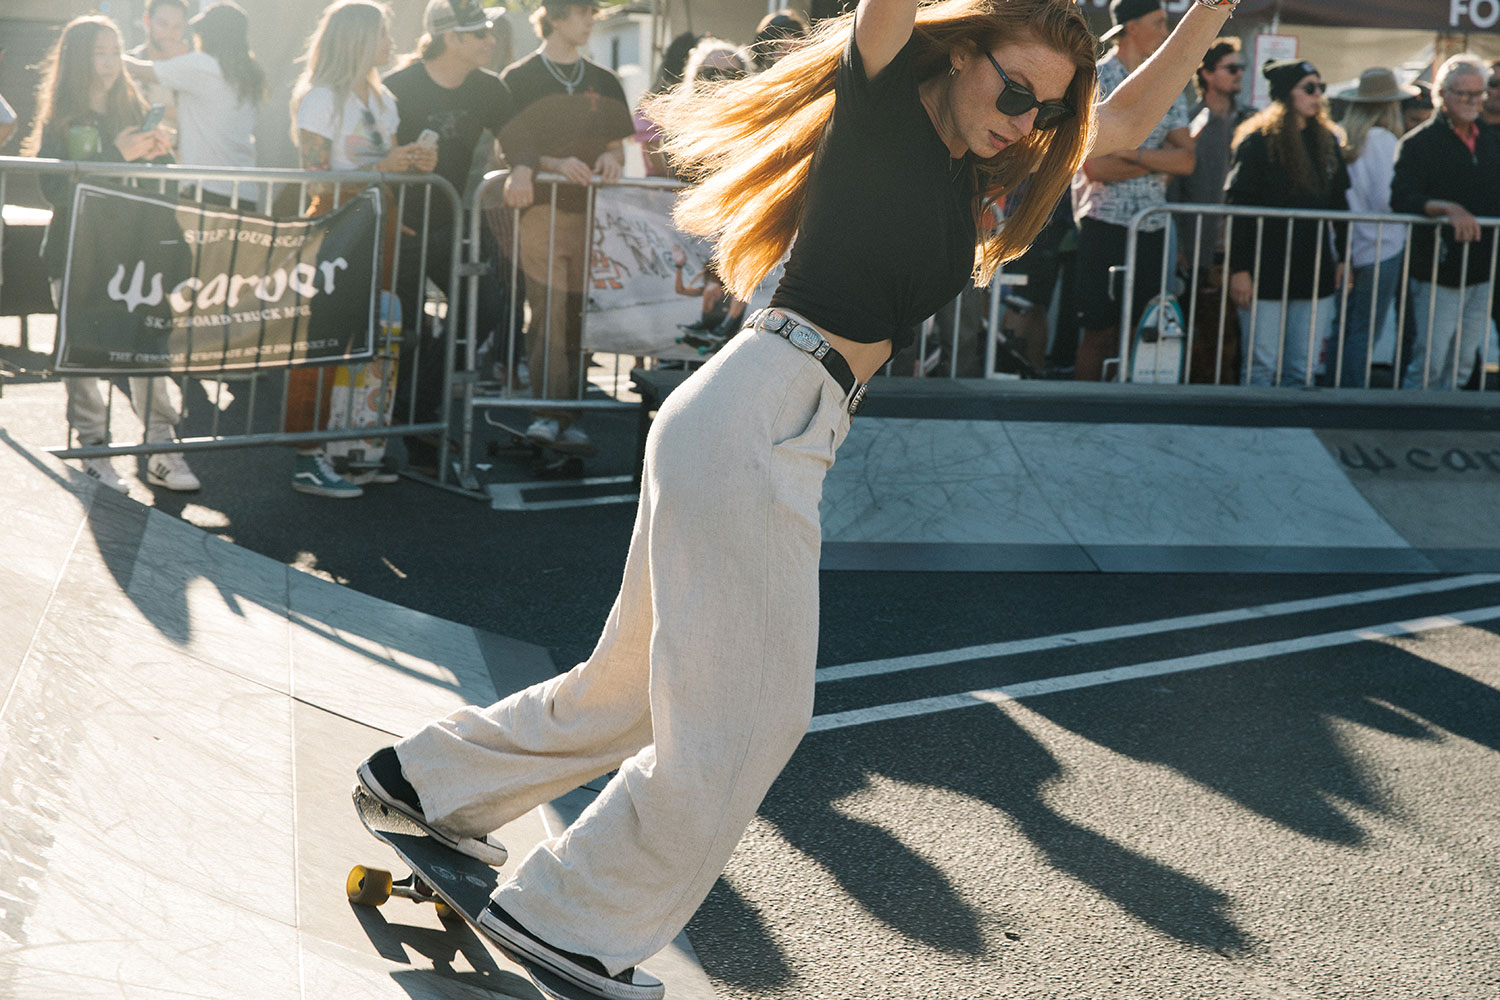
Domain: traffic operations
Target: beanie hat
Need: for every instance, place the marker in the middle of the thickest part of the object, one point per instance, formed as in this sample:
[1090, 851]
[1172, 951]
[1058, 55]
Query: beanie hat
[1283, 75]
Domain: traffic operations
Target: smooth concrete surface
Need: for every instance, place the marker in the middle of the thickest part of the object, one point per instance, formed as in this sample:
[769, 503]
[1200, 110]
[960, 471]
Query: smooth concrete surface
[910, 494]
[179, 724]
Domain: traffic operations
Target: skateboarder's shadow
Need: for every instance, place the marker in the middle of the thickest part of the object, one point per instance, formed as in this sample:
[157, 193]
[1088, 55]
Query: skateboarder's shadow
[399, 943]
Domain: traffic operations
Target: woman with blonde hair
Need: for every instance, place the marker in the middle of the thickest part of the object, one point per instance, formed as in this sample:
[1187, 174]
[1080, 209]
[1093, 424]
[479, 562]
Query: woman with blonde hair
[1372, 127]
[88, 109]
[344, 119]
[1286, 156]
[870, 152]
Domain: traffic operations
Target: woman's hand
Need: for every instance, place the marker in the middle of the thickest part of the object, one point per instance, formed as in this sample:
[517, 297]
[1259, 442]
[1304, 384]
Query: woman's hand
[134, 144]
[1241, 289]
[679, 257]
[411, 158]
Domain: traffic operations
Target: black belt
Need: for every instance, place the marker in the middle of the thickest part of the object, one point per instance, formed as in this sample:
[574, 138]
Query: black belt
[807, 338]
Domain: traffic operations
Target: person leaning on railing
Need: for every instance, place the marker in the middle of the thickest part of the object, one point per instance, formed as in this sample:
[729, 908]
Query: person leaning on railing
[1449, 168]
[1287, 156]
[344, 119]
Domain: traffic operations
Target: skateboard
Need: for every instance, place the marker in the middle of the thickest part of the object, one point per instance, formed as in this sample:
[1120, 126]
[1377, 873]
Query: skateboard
[547, 462]
[364, 395]
[454, 882]
[1160, 339]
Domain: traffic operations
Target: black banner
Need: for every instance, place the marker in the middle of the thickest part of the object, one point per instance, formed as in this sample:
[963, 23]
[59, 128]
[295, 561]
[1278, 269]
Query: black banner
[1462, 16]
[158, 286]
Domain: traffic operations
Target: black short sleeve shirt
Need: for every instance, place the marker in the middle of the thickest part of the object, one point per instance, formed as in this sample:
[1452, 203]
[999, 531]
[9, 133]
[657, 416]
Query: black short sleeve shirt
[888, 229]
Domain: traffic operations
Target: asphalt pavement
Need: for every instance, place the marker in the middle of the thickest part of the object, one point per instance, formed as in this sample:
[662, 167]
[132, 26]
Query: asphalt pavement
[1270, 802]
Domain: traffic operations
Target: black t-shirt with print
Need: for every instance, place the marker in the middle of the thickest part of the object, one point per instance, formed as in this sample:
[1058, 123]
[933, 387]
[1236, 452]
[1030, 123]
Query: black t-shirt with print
[459, 115]
[551, 122]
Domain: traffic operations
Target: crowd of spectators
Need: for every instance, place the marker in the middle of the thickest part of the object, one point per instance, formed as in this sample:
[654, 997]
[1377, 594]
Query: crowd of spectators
[1308, 307]
[191, 93]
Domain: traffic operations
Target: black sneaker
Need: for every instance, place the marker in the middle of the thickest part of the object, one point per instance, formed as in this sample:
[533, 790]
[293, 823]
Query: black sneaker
[381, 776]
[579, 970]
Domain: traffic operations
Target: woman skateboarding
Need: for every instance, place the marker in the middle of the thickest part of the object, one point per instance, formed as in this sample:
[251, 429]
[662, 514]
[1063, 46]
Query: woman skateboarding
[869, 152]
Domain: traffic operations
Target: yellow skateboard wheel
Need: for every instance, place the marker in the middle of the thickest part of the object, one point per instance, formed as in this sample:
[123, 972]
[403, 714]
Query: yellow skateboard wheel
[368, 886]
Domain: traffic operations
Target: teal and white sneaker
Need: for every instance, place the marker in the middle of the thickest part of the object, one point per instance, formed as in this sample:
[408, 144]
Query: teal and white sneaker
[313, 475]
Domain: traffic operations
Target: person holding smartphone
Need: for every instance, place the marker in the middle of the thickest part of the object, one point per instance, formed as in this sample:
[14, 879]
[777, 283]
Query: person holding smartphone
[88, 109]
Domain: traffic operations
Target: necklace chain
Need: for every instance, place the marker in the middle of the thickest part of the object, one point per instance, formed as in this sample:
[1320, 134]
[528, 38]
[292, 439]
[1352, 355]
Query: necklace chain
[568, 84]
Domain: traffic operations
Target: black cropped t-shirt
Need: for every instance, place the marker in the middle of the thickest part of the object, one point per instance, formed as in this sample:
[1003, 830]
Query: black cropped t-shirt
[888, 230]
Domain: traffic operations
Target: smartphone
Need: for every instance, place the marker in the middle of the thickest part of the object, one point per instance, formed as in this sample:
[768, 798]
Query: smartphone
[154, 117]
[428, 138]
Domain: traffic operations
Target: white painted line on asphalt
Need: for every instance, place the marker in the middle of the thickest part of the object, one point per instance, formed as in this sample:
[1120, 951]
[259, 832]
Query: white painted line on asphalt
[1137, 671]
[1065, 640]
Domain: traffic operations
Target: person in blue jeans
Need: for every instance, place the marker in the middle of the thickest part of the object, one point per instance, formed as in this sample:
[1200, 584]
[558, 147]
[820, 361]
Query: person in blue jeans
[1372, 128]
[1287, 156]
[1447, 169]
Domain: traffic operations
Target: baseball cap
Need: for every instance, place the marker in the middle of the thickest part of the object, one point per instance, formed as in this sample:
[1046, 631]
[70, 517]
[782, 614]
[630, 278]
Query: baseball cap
[455, 15]
[1123, 11]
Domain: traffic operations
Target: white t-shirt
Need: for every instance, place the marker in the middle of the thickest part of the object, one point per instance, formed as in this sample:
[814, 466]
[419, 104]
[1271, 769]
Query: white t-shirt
[215, 128]
[361, 133]
[1370, 179]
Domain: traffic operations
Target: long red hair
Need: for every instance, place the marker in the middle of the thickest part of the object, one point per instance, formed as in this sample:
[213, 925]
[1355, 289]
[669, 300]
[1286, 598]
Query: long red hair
[749, 143]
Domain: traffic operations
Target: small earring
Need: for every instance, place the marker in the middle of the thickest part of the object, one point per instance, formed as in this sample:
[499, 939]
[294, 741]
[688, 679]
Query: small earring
[952, 70]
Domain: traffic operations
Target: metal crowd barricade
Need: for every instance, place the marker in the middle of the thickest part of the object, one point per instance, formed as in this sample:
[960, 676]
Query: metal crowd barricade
[1201, 259]
[478, 393]
[290, 188]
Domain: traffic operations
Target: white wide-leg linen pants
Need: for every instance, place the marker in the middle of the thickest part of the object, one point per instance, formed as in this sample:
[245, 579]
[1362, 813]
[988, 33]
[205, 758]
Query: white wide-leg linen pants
[701, 684]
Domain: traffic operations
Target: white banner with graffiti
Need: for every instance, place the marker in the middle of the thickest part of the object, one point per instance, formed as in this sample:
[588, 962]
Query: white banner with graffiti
[637, 304]
[160, 286]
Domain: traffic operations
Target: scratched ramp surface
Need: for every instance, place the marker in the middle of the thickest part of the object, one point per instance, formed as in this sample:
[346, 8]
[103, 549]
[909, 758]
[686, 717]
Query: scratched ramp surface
[179, 724]
[995, 495]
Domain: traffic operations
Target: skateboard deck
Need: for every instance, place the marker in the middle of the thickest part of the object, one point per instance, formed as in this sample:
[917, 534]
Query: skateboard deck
[443, 875]
[364, 395]
[1161, 335]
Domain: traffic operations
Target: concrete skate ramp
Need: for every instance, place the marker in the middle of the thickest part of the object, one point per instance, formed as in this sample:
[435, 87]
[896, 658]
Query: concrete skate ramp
[1075, 495]
[178, 731]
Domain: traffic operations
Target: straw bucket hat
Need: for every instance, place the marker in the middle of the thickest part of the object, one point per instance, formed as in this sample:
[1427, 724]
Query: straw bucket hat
[1378, 86]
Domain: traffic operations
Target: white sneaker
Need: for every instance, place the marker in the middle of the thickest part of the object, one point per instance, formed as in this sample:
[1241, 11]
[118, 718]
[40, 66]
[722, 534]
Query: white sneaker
[101, 470]
[543, 431]
[171, 470]
[573, 441]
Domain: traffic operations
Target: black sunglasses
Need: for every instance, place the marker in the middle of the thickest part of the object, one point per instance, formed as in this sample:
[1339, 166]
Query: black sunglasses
[1314, 87]
[1015, 100]
[1494, 82]
[1232, 67]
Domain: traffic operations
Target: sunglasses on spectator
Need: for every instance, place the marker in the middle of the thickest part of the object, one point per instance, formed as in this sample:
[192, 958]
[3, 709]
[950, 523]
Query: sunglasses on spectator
[1494, 82]
[1232, 67]
[479, 33]
[1467, 95]
[1314, 87]
[1015, 100]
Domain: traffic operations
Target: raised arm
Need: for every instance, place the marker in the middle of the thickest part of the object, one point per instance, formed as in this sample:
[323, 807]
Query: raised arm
[1129, 114]
[881, 30]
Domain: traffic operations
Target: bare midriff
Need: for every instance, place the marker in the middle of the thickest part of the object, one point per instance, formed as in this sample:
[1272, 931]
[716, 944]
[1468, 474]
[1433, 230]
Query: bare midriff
[864, 359]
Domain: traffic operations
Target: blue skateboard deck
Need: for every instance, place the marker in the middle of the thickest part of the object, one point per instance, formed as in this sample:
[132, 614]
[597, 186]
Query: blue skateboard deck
[463, 883]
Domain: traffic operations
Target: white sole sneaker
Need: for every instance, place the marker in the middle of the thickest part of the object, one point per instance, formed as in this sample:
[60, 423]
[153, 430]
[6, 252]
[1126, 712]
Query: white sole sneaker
[513, 939]
[488, 849]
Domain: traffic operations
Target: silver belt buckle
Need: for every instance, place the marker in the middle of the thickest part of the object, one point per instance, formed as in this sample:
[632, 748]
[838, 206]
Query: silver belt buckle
[858, 399]
[805, 338]
[772, 320]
